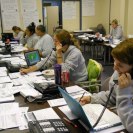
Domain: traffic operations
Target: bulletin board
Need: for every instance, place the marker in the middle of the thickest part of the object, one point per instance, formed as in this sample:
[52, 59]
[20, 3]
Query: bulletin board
[20, 13]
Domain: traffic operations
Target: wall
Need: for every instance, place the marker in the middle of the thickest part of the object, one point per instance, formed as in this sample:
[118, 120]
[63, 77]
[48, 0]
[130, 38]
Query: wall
[130, 17]
[72, 24]
[101, 15]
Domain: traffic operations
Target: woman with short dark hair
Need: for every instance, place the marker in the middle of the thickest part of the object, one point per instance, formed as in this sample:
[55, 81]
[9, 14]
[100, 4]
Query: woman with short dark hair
[30, 38]
[122, 95]
[45, 42]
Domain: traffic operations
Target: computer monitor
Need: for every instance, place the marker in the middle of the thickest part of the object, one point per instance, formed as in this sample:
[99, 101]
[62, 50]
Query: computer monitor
[6, 36]
[32, 57]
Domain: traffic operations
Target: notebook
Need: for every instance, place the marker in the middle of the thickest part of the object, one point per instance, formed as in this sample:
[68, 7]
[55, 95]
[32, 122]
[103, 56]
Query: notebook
[89, 113]
[32, 57]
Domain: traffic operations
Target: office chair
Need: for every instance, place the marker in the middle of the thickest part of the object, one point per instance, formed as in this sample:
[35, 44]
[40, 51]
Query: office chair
[94, 73]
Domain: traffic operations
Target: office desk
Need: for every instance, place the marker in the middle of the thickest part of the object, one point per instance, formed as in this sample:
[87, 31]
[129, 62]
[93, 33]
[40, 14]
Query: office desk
[35, 106]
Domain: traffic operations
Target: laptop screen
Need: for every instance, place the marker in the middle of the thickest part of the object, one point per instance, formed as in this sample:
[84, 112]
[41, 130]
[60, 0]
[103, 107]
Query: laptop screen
[32, 57]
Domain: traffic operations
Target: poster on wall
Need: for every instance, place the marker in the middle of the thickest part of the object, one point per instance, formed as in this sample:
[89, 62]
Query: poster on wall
[29, 12]
[10, 19]
[88, 7]
[69, 9]
[10, 14]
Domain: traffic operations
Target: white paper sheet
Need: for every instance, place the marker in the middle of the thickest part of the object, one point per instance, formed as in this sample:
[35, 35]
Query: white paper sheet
[5, 80]
[9, 115]
[66, 110]
[57, 102]
[48, 113]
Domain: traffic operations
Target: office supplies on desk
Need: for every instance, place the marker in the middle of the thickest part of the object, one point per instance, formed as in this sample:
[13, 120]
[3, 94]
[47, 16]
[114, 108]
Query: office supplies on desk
[88, 114]
[32, 57]
[70, 122]
[82, 96]
[46, 88]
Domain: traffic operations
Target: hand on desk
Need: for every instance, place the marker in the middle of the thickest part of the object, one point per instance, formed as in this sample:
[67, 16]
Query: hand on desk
[23, 71]
[27, 70]
[85, 100]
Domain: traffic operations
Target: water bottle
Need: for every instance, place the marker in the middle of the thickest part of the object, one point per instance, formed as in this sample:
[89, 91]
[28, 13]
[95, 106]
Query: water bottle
[57, 71]
[110, 40]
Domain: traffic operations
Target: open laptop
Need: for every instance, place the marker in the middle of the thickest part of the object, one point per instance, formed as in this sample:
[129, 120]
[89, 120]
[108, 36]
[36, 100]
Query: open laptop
[86, 115]
[32, 57]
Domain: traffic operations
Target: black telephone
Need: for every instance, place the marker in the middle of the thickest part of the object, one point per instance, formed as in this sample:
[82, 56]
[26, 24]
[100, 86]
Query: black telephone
[46, 88]
[9, 66]
[48, 126]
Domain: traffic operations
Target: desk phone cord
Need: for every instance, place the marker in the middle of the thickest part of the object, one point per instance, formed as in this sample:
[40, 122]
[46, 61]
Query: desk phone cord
[99, 118]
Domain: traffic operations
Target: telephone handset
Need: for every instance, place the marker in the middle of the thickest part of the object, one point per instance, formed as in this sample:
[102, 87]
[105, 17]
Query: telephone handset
[116, 80]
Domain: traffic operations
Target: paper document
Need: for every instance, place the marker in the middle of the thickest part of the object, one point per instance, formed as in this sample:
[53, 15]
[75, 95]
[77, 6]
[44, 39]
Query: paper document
[57, 102]
[9, 115]
[24, 123]
[29, 91]
[66, 110]
[5, 79]
[43, 114]
[73, 89]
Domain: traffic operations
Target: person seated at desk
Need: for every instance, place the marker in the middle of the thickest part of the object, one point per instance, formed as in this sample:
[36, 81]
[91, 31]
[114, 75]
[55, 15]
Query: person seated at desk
[30, 38]
[67, 55]
[45, 42]
[116, 32]
[122, 95]
[18, 33]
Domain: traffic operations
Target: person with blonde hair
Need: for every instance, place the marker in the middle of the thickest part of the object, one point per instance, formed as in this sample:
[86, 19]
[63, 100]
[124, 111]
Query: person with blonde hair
[116, 32]
[122, 94]
[67, 55]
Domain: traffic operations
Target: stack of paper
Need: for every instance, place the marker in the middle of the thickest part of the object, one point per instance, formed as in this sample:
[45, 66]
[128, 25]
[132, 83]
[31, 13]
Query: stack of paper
[75, 91]
[9, 115]
[3, 71]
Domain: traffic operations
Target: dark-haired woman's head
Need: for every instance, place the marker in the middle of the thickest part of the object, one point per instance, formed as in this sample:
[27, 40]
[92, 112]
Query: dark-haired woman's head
[30, 30]
[40, 30]
[16, 29]
[123, 56]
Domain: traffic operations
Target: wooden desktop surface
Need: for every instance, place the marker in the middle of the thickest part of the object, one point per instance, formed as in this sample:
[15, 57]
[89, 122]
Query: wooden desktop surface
[36, 106]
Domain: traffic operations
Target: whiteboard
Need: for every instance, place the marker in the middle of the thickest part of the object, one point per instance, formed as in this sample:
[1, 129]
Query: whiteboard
[10, 14]
[29, 12]
[19, 13]
[88, 7]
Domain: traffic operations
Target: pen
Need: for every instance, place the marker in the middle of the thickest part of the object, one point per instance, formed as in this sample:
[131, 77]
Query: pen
[26, 118]
[81, 97]
[70, 122]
